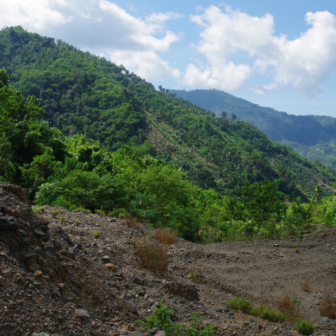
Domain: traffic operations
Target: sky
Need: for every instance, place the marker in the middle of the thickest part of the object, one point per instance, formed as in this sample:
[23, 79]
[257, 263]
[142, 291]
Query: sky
[279, 54]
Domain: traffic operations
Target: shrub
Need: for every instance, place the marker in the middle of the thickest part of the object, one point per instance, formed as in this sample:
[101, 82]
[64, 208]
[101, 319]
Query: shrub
[77, 222]
[192, 276]
[289, 306]
[100, 212]
[164, 236]
[305, 327]
[78, 209]
[243, 304]
[305, 286]
[161, 319]
[54, 213]
[268, 314]
[153, 255]
[36, 211]
[131, 221]
[328, 306]
[62, 219]
[96, 233]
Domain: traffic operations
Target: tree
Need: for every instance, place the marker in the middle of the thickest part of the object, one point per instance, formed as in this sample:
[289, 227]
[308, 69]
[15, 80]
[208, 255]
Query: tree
[233, 117]
[223, 114]
[317, 191]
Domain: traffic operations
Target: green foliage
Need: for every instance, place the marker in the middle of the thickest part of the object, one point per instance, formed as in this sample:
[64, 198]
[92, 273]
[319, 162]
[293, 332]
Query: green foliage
[96, 234]
[305, 327]
[77, 222]
[54, 213]
[246, 306]
[310, 136]
[161, 319]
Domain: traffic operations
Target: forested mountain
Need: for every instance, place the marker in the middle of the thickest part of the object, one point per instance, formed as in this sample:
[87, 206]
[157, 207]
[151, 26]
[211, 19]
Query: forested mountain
[82, 93]
[313, 137]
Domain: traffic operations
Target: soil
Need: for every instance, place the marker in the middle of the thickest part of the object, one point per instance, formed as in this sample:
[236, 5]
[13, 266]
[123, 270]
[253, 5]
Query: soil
[54, 279]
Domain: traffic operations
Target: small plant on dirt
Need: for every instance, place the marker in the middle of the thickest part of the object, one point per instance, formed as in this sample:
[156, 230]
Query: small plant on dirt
[161, 319]
[36, 211]
[305, 327]
[96, 233]
[305, 286]
[297, 250]
[192, 277]
[42, 209]
[131, 221]
[100, 212]
[62, 219]
[153, 255]
[78, 209]
[328, 306]
[88, 211]
[77, 222]
[54, 213]
[243, 304]
[164, 236]
[289, 306]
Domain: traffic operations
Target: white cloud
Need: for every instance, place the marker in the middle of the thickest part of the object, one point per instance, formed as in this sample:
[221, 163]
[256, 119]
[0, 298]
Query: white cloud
[304, 62]
[97, 25]
[146, 64]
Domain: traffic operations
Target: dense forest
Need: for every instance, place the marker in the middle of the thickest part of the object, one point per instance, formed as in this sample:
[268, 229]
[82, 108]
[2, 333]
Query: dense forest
[313, 137]
[80, 132]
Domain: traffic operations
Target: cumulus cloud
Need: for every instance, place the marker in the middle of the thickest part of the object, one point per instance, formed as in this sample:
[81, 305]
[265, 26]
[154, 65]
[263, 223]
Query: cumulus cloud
[304, 62]
[97, 25]
[146, 64]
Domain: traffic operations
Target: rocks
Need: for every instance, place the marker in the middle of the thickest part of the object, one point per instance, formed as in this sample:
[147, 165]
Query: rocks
[14, 224]
[4, 223]
[39, 233]
[38, 273]
[6, 271]
[106, 259]
[327, 320]
[82, 314]
[112, 267]
[185, 290]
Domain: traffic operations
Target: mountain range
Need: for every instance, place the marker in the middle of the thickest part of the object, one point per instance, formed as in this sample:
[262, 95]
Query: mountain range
[311, 136]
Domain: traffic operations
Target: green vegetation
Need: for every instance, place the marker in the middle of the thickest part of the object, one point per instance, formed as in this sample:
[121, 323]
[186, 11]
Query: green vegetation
[161, 319]
[312, 137]
[143, 153]
[305, 327]
[96, 234]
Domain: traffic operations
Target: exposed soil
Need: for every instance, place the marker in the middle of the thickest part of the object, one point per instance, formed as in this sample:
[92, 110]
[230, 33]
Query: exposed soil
[53, 272]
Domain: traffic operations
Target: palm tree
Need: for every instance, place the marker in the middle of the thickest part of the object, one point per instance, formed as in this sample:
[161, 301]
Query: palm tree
[317, 192]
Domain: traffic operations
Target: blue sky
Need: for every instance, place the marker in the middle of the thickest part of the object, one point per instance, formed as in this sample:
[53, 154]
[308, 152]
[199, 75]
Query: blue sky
[280, 54]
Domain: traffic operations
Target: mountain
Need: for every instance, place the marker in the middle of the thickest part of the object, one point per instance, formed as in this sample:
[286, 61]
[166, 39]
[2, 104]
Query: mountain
[313, 137]
[82, 93]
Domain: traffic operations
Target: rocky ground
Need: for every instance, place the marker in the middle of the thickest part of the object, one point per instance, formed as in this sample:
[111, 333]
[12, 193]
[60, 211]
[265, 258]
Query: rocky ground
[57, 279]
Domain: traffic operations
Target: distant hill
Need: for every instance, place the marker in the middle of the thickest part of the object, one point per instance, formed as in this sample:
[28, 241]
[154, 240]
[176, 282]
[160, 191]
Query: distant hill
[313, 137]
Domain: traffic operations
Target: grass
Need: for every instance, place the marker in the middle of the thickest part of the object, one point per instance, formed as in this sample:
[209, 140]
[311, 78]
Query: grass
[77, 222]
[289, 306]
[96, 233]
[305, 286]
[192, 277]
[101, 213]
[328, 306]
[131, 221]
[164, 236]
[54, 213]
[288, 309]
[153, 255]
[62, 218]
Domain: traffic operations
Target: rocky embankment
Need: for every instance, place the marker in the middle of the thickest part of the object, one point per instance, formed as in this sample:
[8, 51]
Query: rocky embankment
[56, 278]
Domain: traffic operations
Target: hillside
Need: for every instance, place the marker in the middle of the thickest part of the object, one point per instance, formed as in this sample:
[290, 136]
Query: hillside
[313, 137]
[56, 278]
[82, 93]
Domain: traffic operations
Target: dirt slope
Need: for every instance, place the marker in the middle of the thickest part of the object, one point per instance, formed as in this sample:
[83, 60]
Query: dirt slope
[52, 272]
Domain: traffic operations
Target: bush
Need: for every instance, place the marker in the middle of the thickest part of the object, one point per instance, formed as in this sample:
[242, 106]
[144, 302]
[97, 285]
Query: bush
[153, 255]
[96, 233]
[243, 304]
[289, 306]
[305, 327]
[164, 236]
[328, 306]
[100, 212]
[268, 314]
[161, 319]
[131, 221]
